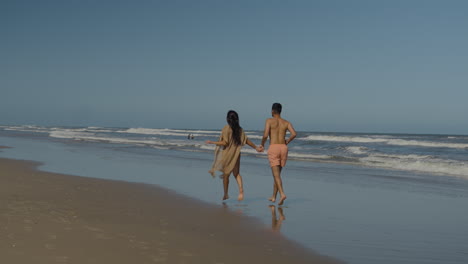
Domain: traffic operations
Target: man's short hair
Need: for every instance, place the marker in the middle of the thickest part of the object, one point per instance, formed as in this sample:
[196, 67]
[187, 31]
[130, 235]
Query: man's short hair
[276, 108]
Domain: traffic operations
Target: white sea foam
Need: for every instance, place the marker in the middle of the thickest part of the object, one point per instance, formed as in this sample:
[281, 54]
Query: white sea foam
[26, 128]
[254, 137]
[168, 132]
[198, 131]
[86, 136]
[343, 139]
[151, 142]
[389, 141]
[421, 163]
[309, 156]
[401, 142]
[357, 150]
[31, 128]
[207, 147]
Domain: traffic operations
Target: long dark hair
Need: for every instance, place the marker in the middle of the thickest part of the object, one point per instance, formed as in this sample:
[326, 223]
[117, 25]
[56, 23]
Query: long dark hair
[233, 121]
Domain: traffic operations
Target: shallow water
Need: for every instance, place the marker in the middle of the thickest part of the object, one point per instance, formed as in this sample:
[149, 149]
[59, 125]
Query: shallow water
[354, 213]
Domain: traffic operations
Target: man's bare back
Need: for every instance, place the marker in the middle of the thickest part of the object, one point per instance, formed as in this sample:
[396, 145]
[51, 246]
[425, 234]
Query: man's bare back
[276, 128]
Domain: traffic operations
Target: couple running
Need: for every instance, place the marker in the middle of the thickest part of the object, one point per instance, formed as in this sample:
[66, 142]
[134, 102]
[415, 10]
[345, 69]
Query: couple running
[227, 151]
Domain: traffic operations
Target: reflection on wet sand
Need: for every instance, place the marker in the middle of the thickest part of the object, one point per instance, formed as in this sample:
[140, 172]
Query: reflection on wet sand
[275, 221]
[276, 218]
[238, 208]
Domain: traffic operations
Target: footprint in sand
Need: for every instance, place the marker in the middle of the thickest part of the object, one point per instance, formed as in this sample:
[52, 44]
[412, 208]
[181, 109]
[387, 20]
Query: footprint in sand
[62, 259]
[159, 259]
[50, 246]
[95, 229]
[186, 254]
[139, 244]
[28, 227]
[103, 236]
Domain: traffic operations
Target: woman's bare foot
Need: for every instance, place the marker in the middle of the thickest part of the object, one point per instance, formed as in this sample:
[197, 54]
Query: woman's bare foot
[225, 197]
[240, 197]
[272, 199]
[281, 201]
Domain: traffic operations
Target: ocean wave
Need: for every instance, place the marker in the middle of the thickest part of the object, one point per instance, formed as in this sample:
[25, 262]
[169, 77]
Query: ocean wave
[420, 163]
[26, 128]
[151, 142]
[389, 141]
[306, 156]
[357, 150]
[401, 142]
[168, 132]
[343, 139]
[39, 129]
[254, 137]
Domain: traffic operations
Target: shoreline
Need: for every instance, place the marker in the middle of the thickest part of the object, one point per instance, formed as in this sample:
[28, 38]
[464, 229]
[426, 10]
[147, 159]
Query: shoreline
[52, 217]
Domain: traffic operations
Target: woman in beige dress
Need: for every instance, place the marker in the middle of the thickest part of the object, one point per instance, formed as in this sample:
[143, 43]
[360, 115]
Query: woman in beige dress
[227, 153]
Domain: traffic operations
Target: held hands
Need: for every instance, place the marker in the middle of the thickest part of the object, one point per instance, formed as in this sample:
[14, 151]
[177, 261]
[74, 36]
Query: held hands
[260, 148]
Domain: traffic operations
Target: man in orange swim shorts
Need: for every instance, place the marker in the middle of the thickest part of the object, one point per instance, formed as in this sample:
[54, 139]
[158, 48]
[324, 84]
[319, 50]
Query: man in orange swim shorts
[277, 155]
[276, 128]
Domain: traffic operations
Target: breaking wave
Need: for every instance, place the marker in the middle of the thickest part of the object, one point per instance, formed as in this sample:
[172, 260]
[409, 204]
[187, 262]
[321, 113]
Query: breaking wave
[389, 141]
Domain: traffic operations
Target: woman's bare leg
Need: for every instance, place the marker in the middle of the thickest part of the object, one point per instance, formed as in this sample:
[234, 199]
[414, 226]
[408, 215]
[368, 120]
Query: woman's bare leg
[238, 177]
[226, 186]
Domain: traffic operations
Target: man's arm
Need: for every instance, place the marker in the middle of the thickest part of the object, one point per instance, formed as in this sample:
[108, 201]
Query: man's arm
[292, 135]
[266, 133]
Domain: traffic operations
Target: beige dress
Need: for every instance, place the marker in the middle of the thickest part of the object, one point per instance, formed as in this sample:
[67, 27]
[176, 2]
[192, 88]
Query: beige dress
[226, 157]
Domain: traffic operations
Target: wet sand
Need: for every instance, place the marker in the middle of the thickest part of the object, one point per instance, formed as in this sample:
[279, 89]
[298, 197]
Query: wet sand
[54, 218]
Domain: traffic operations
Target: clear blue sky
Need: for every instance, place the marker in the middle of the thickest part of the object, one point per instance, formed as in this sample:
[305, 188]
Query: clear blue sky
[350, 66]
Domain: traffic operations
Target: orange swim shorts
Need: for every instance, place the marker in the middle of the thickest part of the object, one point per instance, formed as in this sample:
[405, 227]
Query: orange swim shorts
[277, 155]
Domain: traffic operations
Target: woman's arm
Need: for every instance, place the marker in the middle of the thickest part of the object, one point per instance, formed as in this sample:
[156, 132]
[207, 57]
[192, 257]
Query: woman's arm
[217, 143]
[222, 139]
[252, 145]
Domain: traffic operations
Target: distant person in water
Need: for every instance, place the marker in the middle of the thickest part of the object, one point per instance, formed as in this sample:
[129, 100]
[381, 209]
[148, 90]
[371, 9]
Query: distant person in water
[275, 129]
[227, 153]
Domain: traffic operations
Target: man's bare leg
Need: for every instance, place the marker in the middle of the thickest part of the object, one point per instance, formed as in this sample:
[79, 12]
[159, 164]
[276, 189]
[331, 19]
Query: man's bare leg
[226, 186]
[276, 170]
[275, 190]
[238, 177]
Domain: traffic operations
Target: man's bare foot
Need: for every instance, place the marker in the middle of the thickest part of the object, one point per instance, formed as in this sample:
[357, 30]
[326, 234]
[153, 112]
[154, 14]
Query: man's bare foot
[272, 199]
[225, 197]
[281, 201]
[240, 197]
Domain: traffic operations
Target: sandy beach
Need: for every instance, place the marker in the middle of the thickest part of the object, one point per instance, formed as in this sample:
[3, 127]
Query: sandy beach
[54, 218]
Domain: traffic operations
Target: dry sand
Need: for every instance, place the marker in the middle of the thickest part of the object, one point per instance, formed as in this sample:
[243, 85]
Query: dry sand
[53, 218]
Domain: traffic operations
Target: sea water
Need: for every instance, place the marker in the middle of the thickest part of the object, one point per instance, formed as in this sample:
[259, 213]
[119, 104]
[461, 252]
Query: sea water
[362, 198]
